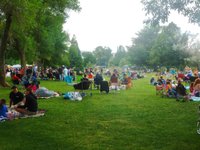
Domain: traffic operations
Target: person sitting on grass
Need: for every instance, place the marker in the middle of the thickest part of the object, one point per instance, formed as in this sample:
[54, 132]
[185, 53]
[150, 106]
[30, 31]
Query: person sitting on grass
[114, 79]
[84, 78]
[30, 104]
[34, 85]
[124, 79]
[192, 88]
[3, 108]
[130, 84]
[15, 96]
[170, 91]
[181, 90]
[114, 83]
[15, 79]
[83, 84]
[90, 76]
[162, 80]
[152, 81]
[196, 87]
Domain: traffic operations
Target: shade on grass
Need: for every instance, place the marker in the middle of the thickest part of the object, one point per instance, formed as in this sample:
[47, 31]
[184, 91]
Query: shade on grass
[131, 119]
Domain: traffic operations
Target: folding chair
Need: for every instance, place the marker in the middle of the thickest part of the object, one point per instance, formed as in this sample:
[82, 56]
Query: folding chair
[104, 86]
[83, 86]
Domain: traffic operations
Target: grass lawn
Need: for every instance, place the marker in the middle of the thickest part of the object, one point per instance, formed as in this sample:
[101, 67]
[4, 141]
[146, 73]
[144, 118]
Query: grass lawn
[134, 119]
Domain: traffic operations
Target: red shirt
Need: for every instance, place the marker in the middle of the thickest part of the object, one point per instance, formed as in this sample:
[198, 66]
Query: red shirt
[14, 77]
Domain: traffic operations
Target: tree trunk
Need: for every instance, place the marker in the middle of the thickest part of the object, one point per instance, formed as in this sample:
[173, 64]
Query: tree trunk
[21, 53]
[23, 58]
[3, 47]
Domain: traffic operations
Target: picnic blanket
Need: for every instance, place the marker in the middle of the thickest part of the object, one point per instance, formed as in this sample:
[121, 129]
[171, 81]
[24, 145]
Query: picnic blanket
[194, 98]
[12, 115]
[48, 97]
[2, 118]
[38, 114]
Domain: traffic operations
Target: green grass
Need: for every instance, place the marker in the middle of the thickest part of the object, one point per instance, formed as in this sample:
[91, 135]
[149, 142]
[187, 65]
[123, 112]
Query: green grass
[134, 119]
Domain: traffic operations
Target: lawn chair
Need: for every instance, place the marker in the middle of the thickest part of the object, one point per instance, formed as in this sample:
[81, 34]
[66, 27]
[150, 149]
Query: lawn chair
[104, 86]
[83, 86]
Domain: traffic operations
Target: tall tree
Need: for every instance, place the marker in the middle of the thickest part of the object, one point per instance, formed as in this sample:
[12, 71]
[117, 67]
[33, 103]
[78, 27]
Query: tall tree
[118, 56]
[88, 59]
[160, 45]
[194, 53]
[75, 55]
[12, 12]
[22, 16]
[139, 52]
[102, 54]
[170, 47]
[49, 35]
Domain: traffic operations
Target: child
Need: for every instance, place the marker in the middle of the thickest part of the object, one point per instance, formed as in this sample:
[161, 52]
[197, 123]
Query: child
[3, 108]
[169, 89]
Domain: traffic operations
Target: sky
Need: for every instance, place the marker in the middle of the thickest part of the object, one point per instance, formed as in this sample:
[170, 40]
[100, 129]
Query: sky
[112, 23]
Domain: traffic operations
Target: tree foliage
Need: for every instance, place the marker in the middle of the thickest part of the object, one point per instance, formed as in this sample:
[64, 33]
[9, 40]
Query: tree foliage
[88, 59]
[102, 54]
[159, 46]
[33, 29]
[159, 10]
[118, 56]
[170, 47]
[75, 55]
[139, 52]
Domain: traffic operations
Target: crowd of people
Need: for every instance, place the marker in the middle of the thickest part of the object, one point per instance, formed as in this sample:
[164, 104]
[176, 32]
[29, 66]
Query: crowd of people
[115, 81]
[182, 85]
[29, 78]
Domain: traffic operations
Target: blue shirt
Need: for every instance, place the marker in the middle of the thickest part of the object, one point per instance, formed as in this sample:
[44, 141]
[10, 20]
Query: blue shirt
[3, 111]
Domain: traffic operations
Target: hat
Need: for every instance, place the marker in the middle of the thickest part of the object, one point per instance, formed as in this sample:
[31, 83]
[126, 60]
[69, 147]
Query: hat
[14, 87]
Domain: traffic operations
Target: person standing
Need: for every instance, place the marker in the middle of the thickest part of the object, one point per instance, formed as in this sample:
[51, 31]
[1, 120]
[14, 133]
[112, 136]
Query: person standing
[60, 71]
[65, 72]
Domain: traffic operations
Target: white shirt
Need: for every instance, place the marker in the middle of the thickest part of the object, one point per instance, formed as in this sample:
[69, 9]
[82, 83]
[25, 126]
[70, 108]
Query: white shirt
[65, 71]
